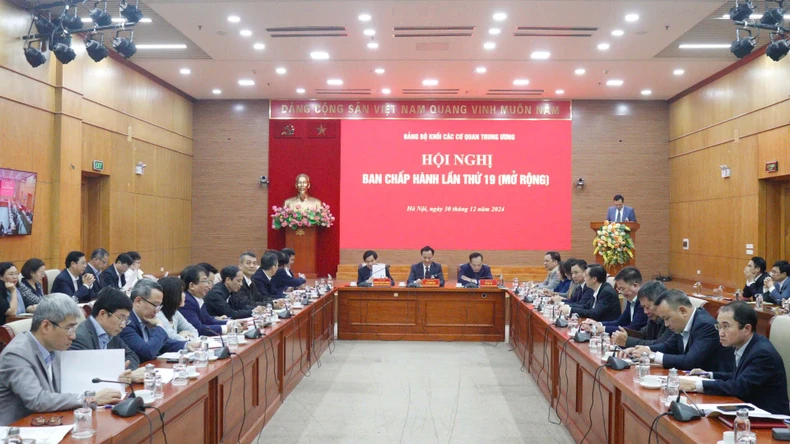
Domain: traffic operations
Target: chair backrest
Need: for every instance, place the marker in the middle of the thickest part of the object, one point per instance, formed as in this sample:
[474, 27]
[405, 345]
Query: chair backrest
[19, 327]
[697, 302]
[86, 309]
[51, 275]
[779, 335]
[6, 335]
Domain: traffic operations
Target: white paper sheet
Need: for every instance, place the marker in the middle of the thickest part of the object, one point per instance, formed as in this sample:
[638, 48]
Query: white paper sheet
[756, 413]
[379, 271]
[42, 435]
[79, 367]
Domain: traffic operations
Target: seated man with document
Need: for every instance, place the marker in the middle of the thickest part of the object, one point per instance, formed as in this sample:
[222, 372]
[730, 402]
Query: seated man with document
[427, 269]
[372, 270]
[474, 271]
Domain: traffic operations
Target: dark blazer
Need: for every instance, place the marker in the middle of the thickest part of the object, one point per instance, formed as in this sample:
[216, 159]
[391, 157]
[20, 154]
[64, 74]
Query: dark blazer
[466, 270]
[759, 378]
[625, 321]
[249, 291]
[778, 293]
[703, 349]
[198, 316]
[581, 295]
[655, 332]
[265, 287]
[418, 272]
[607, 305]
[282, 280]
[97, 286]
[218, 302]
[364, 272]
[64, 284]
[756, 287]
[88, 339]
[563, 286]
[628, 213]
[109, 278]
[158, 341]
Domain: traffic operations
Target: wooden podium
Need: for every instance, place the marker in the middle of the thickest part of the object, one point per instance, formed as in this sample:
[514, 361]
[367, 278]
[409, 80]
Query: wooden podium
[304, 241]
[614, 269]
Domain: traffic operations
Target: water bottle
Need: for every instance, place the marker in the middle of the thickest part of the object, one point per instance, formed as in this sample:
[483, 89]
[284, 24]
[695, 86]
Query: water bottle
[149, 380]
[269, 312]
[673, 385]
[742, 424]
[159, 392]
[515, 284]
[501, 281]
[13, 436]
[606, 341]
[758, 305]
[89, 400]
[183, 357]
[329, 282]
[644, 366]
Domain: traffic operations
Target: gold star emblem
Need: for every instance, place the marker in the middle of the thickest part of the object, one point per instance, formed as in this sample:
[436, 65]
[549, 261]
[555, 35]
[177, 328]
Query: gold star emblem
[321, 130]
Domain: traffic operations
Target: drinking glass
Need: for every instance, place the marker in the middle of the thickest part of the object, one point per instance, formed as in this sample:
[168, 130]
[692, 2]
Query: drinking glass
[233, 341]
[83, 423]
[746, 438]
[180, 375]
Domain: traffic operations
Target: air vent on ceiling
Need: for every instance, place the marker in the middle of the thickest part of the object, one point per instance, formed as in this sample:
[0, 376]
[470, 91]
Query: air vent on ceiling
[554, 31]
[344, 91]
[433, 31]
[515, 92]
[430, 91]
[308, 31]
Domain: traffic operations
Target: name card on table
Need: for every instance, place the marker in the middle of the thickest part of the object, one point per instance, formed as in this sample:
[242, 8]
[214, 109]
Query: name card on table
[488, 283]
[381, 282]
[430, 282]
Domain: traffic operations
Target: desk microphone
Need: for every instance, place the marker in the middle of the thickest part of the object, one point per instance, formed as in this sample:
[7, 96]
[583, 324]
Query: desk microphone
[471, 285]
[255, 333]
[224, 352]
[129, 406]
[683, 412]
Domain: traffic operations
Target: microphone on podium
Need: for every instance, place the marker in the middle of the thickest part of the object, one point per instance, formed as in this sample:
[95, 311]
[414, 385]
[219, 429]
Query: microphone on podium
[129, 406]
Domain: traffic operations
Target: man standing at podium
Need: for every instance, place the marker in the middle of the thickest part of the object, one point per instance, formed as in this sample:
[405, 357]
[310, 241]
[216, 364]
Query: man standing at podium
[619, 212]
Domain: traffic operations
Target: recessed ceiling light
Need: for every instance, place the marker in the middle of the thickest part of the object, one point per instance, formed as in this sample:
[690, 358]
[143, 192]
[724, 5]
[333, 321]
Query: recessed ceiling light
[500, 16]
[245, 32]
[618, 32]
[185, 71]
[632, 17]
[216, 91]
[489, 45]
[379, 70]
[559, 92]
[281, 70]
[334, 82]
[704, 46]
[234, 18]
[364, 17]
[521, 82]
[494, 31]
[385, 90]
[646, 92]
[481, 70]
[259, 46]
[246, 82]
[373, 45]
[118, 20]
[319, 55]
[90, 20]
[580, 71]
[162, 46]
[145, 20]
[614, 82]
[603, 46]
[540, 55]
[300, 90]
[370, 32]
[678, 72]
[430, 82]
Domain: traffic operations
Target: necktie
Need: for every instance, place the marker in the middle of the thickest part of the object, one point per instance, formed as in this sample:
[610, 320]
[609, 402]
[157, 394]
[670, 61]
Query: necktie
[619, 216]
[426, 273]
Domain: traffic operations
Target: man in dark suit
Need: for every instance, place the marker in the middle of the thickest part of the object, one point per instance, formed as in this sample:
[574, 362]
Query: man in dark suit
[365, 272]
[695, 343]
[755, 277]
[263, 281]
[604, 305]
[776, 287]
[248, 264]
[144, 334]
[628, 282]
[71, 281]
[223, 299]
[100, 331]
[96, 265]
[427, 269]
[474, 270]
[291, 259]
[759, 375]
[654, 331]
[281, 279]
[582, 293]
[194, 310]
[114, 275]
[619, 212]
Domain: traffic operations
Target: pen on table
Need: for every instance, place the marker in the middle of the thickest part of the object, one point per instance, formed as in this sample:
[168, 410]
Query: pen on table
[108, 406]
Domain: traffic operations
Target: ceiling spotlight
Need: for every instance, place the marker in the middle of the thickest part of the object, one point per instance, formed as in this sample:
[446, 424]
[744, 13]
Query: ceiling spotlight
[281, 70]
[370, 32]
[614, 82]
[373, 45]
[364, 17]
[494, 31]
[385, 90]
[741, 11]
[618, 32]
[34, 56]
[246, 82]
[632, 17]
[124, 46]
[481, 70]
[132, 14]
[319, 55]
[185, 71]
[540, 55]
[489, 45]
[603, 46]
[71, 22]
[559, 92]
[334, 82]
[500, 16]
[678, 72]
[742, 46]
[521, 82]
[580, 71]
[773, 16]
[379, 70]
[430, 82]
[259, 46]
[95, 48]
[233, 19]
[216, 92]
[45, 26]
[300, 90]
[60, 44]
[100, 17]
[245, 33]
[777, 50]
[646, 92]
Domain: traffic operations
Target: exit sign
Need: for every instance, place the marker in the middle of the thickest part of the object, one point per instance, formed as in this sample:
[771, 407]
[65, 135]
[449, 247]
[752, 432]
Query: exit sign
[772, 167]
[98, 165]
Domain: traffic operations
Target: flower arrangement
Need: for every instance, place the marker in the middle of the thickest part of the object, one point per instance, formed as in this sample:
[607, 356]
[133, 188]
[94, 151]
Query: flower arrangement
[614, 244]
[298, 218]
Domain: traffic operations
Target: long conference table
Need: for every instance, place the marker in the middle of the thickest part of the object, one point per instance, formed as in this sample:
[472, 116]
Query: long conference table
[209, 409]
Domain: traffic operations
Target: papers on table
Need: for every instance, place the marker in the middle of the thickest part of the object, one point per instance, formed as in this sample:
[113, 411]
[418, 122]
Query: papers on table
[42, 435]
[756, 413]
[79, 367]
[379, 271]
[166, 374]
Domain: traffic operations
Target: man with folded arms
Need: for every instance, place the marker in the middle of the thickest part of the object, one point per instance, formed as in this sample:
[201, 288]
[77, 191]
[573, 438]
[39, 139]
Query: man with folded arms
[474, 270]
[759, 375]
[426, 269]
[604, 305]
[551, 261]
[223, 300]
[776, 287]
[628, 282]
[197, 285]
[654, 331]
[30, 364]
[695, 343]
[582, 293]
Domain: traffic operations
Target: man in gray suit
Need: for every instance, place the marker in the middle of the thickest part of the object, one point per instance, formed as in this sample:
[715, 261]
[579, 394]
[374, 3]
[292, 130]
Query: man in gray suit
[30, 364]
[100, 331]
[551, 261]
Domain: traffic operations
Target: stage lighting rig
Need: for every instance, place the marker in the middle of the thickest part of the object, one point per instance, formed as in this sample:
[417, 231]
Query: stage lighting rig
[60, 43]
[95, 48]
[35, 56]
[131, 13]
[100, 16]
[773, 16]
[778, 48]
[124, 46]
[742, 46]
[741, 11]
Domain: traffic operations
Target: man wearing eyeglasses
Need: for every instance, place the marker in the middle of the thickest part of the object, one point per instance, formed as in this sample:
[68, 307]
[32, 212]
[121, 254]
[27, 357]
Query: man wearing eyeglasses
[759, 375]
[30, 364]
[100, 331]
[144, 334]
[99, 260]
